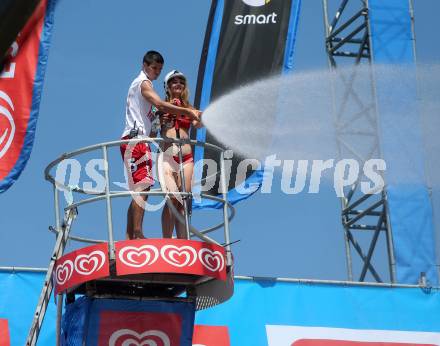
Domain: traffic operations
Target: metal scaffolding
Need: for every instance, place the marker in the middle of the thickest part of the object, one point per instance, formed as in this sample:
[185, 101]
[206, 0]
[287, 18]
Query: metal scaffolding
[364, 216]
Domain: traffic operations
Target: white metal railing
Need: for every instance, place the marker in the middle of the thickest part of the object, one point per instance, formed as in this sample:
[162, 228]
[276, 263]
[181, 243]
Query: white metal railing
[91, 196]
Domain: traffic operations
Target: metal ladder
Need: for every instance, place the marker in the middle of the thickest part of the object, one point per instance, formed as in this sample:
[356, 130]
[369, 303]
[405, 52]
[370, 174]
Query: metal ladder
[43, 301]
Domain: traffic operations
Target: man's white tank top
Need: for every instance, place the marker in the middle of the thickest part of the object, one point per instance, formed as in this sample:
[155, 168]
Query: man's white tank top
[138, 109]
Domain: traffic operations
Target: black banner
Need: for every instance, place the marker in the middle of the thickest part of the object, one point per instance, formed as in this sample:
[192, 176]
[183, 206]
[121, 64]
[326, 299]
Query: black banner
[251, 45]
[13, 16]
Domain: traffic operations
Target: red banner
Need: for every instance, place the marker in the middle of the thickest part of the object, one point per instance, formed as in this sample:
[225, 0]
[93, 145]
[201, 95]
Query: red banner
[119, 328]
[141, 256]
[170, 256]
[82, 265]
[20, 92]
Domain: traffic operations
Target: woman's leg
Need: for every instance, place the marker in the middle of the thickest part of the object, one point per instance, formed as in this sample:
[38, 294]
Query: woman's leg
[168, 182]
[188, 169]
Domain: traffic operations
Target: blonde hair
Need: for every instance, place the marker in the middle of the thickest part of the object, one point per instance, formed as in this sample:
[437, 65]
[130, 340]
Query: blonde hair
[184, 97]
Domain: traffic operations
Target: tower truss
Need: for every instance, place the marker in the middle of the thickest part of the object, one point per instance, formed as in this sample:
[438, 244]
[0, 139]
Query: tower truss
[364, 217]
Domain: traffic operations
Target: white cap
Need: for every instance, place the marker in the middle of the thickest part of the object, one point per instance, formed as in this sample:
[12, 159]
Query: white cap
[170, 75]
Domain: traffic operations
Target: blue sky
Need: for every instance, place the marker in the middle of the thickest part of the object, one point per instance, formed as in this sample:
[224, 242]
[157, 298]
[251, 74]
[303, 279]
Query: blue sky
[97, 47]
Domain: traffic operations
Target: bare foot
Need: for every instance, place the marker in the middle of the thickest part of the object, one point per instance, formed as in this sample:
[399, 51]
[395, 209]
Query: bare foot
[138, 235]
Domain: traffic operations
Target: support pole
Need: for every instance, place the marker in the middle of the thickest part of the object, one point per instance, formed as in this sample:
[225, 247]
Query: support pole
[225, 208]
[111, 242]
[59, 316]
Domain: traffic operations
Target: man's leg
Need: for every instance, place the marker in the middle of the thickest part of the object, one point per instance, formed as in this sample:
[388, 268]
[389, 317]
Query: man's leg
[138, 160]
[136, 216]
[129, 231]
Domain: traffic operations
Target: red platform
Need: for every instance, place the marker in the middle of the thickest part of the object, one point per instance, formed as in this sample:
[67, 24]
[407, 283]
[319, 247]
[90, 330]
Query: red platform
[181, 261]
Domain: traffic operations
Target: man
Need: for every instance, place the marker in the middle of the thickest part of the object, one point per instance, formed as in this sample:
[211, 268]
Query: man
[138, 117]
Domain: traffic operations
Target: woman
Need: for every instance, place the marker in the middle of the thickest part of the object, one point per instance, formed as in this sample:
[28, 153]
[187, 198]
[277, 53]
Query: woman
[175, 126]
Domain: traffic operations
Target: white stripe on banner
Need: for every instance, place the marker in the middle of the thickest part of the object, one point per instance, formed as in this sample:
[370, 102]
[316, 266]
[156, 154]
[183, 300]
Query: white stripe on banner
[317, 336]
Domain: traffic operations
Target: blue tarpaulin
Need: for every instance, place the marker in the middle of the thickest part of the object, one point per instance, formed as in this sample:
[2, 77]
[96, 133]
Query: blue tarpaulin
[273, 313]
[409, 204]
[18, 302]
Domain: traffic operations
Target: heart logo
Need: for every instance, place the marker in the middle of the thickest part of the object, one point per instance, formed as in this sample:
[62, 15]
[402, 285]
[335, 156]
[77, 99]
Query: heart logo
[128, 337]
[178, 256]
[63, 272]
[88, 264]
[7, 124]
[212, 260]
[138, 256]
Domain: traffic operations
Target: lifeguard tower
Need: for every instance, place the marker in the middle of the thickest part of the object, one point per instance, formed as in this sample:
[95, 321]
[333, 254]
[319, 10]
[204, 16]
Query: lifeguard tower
[143, 290]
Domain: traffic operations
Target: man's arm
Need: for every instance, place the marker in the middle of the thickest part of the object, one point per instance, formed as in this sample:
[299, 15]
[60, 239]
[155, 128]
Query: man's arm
[166, 107]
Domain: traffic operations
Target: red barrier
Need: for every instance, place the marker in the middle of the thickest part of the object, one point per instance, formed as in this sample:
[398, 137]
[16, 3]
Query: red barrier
[170, 256]
[80, 266]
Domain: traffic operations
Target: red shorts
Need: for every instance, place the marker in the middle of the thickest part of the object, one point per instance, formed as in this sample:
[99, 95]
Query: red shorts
[137, 160]
[186, 158]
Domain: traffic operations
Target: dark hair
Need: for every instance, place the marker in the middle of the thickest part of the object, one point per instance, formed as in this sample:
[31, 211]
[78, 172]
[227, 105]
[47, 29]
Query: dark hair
[153, 56]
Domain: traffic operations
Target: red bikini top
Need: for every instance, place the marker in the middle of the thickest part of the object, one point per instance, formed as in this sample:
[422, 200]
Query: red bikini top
[182, 121]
